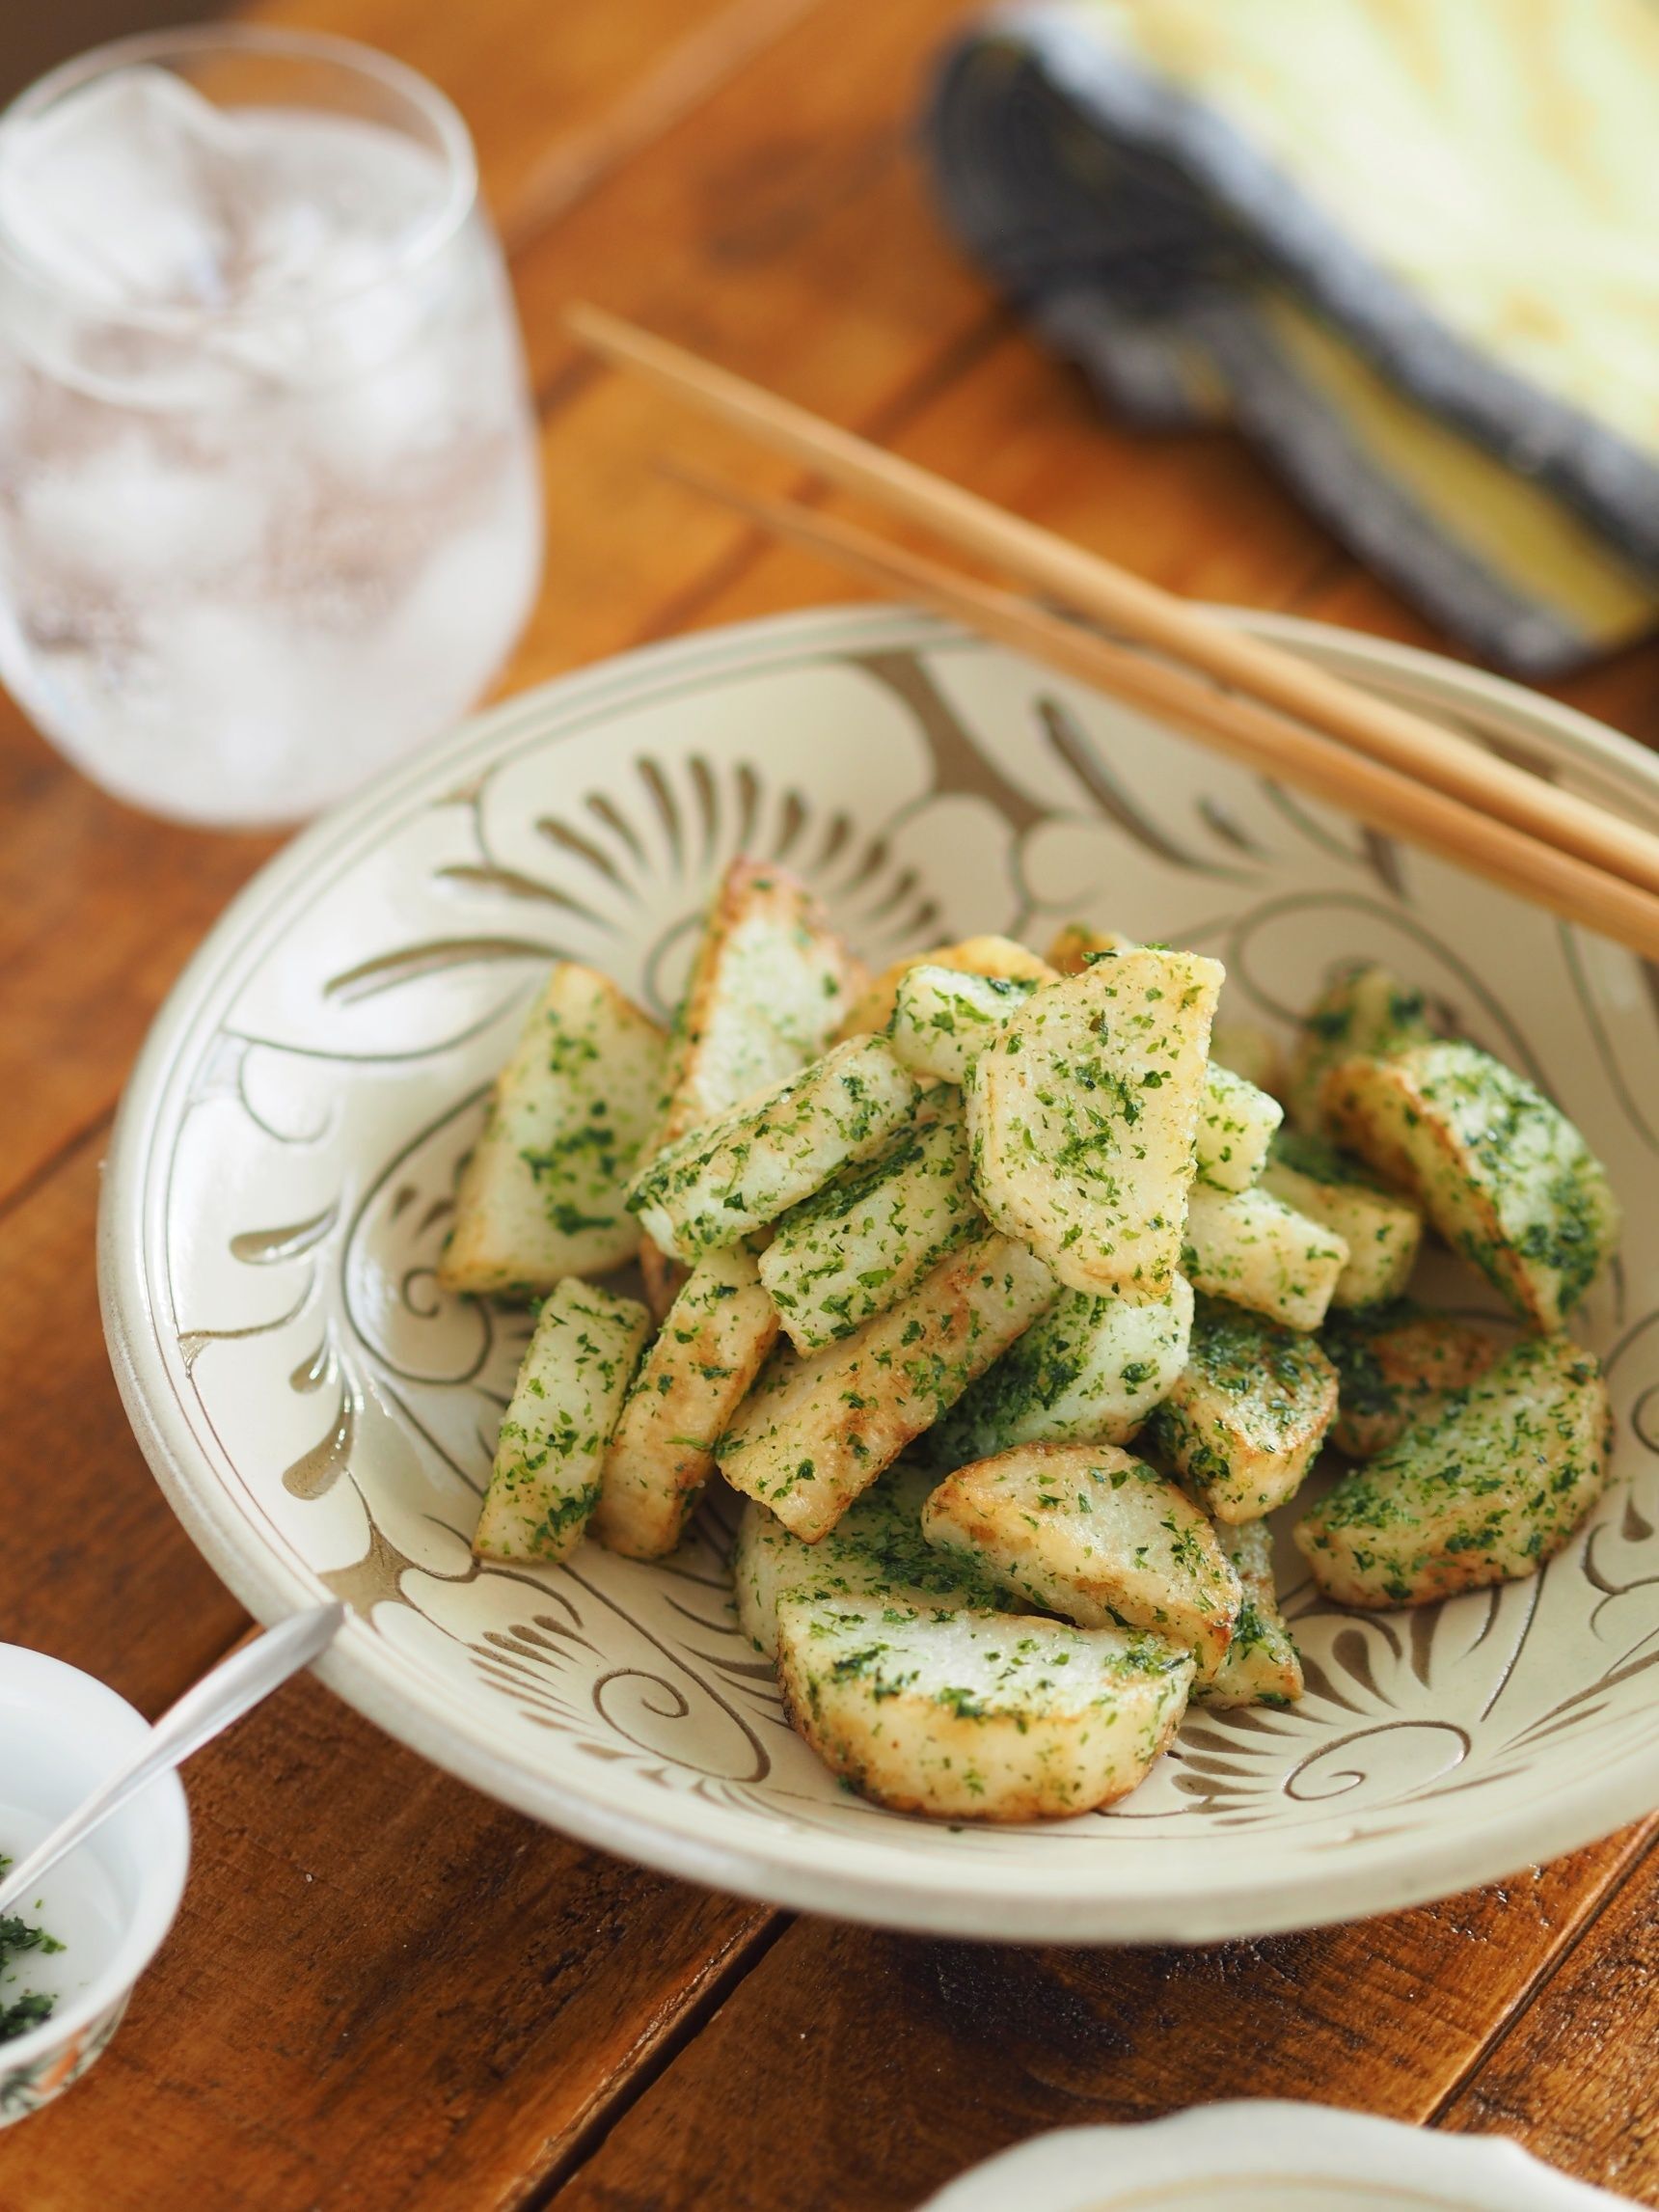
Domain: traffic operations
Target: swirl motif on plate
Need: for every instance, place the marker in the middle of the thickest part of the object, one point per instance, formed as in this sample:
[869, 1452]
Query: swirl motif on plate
[926, 786]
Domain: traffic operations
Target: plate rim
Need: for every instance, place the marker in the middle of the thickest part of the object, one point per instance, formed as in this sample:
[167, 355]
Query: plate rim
[1470, 2173]
[1376, 1875]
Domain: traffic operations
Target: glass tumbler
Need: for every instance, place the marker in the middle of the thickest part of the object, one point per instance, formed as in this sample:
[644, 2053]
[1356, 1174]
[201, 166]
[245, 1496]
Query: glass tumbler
[270, 508]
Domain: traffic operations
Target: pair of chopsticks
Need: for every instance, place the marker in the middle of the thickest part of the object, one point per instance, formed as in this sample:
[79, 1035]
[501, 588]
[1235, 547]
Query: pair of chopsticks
[1243, 697]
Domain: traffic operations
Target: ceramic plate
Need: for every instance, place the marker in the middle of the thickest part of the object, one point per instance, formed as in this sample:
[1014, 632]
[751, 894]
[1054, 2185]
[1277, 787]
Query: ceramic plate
[321, 1415]
[1261, 2157]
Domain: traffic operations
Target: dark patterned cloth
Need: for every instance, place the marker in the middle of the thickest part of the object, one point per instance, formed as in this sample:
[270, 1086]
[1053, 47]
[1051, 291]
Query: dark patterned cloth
[1147, 181]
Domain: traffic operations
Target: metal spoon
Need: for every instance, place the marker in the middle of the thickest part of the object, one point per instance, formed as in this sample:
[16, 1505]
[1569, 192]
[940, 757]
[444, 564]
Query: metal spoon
[234, 1687]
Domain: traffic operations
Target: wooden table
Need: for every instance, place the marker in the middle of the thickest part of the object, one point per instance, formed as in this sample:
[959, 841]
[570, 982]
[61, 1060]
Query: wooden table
[385, 1991]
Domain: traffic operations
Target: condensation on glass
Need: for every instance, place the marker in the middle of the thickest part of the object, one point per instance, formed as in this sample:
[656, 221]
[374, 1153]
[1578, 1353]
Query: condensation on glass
[269, 502]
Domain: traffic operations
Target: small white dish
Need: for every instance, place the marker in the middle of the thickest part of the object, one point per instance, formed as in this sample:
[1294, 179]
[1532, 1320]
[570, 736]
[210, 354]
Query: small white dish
[1256, 2156]
[112, 1902]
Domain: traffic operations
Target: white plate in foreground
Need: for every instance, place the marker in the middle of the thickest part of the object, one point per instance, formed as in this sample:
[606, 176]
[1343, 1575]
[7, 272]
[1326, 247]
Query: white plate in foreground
[321, 1415]
[1268, 2157]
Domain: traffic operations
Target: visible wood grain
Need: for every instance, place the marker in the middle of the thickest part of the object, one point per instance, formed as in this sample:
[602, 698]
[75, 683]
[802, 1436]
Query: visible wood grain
[1575, 2080]
[253, 2096]
[99, 908]
[795, 190]
[860, 2069]
[454, 2005]
[788, 193]
[784, 227]
[674, 87]
[1195, 510]
[383, 1990]
[554, 96]
[875, 2084]
[379, 1980]
[93, 1567]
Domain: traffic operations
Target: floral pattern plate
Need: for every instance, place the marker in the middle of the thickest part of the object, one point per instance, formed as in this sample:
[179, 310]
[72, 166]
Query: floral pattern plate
[321, 1415]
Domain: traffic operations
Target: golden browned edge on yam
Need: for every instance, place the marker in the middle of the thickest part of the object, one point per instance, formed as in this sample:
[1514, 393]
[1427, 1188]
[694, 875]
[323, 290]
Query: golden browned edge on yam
[1077, 943]
[870, 1433]
[1429, 1353]
[1448, 1574]
[1346, 1112]
[850, 1767]
[666, 1277]
[662, 1452]
[963, 1500]
[747, 887]
[1001, 957]
[1359, 1097]
[462, 1263]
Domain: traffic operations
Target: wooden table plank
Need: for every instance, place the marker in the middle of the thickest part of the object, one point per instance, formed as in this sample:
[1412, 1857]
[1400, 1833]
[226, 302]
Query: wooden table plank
[555, 98]
[788, 234]
[456, 2003]
[1575, 2079]
[336, 1876]
[383, 1990]
[1195, 511]
[859, 2068]
[100, 909]
[795, 190]
[93, 1567]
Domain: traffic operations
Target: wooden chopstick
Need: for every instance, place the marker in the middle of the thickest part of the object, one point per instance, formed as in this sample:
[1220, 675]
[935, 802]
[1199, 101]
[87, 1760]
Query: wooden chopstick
[1130, 606]
[1256, 735]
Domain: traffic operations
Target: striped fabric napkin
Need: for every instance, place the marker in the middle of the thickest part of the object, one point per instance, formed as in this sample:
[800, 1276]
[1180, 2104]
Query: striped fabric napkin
[1410, 247]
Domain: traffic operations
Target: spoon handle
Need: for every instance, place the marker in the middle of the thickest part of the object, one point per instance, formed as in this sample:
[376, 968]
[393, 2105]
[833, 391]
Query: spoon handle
[232, 1688]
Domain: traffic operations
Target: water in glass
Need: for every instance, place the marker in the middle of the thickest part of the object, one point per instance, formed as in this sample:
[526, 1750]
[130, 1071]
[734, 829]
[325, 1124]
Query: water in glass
[270, 510]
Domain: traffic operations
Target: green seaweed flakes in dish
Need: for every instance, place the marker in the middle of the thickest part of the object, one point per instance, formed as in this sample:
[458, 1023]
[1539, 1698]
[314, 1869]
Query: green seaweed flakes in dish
[1484, 1490]
[876, 1549]
[1363, 1010]
[1247, 1417]
[1263, 1666]
[20, 1939]
[962, 1714]
[1089, 1371]
[868, 1238]
[1498, 1168]
[1382, 1230]
[1395, 1363]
